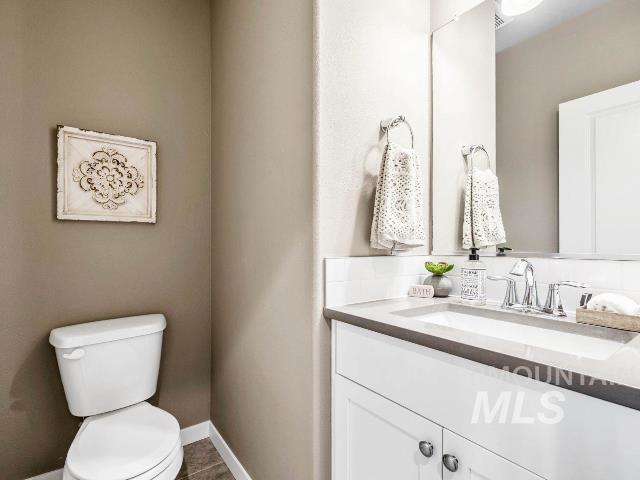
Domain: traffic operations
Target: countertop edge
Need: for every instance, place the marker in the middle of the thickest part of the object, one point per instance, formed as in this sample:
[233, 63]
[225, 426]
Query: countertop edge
[601, 389]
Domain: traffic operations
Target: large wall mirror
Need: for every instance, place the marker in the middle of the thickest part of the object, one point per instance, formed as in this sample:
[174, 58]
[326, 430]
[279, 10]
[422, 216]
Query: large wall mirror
[551, 88]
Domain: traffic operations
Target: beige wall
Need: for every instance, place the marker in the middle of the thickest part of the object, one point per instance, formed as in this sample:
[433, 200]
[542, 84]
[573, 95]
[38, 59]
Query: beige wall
[138, 68]
[262, 234]
[286, 200]
[594, 52]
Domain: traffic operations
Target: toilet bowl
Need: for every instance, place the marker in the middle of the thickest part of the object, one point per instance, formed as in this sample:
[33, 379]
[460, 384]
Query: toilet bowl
[108, 370]
[140, 442]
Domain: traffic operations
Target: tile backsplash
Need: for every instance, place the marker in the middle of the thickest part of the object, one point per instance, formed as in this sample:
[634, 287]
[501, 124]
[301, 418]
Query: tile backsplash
[365, 279]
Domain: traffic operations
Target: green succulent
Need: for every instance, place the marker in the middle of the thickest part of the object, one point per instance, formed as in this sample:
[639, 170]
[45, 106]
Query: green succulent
[439, 268]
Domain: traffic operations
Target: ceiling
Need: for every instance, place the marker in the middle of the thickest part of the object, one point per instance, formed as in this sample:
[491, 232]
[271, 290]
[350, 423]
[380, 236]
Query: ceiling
[547, 15]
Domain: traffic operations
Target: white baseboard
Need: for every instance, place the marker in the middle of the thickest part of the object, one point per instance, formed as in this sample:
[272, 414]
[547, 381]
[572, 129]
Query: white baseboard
[236, 468]
[196, 432]
[188, 435]
[55, 475]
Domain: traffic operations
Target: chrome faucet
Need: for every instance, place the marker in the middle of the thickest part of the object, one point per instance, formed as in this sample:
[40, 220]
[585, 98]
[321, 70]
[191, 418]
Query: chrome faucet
[530, 301]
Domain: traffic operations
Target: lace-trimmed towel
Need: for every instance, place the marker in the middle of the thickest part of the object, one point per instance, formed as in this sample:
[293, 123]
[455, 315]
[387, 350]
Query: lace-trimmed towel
[398, 220]
[482, 225]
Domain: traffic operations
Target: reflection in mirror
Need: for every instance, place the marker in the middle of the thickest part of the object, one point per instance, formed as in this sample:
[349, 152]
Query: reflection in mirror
[564, 82]
[463, 73]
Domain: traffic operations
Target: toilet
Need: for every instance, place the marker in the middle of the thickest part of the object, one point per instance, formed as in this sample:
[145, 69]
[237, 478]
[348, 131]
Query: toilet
[108, 369]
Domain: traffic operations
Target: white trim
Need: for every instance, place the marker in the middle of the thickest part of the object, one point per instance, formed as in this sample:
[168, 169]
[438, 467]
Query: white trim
[55, 475]
[196, 432]
[234, 465]
[334, 349]
[188, 435]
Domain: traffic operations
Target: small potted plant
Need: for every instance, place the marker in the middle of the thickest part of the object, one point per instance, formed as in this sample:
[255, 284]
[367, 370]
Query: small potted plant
[438, 280]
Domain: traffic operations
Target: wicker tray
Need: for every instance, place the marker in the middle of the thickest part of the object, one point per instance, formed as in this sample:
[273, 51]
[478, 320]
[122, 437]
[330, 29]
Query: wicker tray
[608, 319]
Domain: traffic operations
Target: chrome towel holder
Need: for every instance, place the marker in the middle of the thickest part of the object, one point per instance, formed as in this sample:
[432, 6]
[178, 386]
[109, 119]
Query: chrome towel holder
[389, 123]
[468, 152]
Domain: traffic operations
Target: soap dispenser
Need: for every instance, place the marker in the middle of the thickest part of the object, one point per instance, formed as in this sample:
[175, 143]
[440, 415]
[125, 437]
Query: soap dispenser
[474, 276]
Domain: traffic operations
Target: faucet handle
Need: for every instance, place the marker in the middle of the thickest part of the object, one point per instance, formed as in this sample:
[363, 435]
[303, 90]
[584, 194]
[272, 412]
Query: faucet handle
[511, 295]
[553, 305]
[570, 283]
[498, 278]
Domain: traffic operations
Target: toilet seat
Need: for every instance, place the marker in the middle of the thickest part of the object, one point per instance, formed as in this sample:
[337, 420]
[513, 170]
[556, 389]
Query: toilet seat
[167, 470]
[140, 442]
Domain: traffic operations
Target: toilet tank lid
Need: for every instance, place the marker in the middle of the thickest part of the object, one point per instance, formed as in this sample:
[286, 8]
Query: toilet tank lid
[84, 334]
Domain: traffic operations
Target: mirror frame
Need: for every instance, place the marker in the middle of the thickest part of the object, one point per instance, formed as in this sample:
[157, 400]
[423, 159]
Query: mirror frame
[553, 256]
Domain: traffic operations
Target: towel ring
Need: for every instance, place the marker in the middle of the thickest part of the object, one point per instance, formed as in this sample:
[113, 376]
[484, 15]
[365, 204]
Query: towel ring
[468, 151]
[389, 123]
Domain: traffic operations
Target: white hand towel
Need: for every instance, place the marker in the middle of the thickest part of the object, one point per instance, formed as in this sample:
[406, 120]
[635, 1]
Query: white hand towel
[613, 302]
[398, 219]
[482, 224]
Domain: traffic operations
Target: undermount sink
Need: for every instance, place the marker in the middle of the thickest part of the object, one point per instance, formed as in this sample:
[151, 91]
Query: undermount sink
[565, 337]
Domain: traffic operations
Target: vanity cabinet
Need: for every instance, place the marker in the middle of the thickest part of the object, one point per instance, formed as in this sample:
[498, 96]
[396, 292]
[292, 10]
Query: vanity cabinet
[390, 394]
[376, 439]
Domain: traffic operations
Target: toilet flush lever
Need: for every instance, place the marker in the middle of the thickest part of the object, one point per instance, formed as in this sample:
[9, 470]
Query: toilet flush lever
[77, 354]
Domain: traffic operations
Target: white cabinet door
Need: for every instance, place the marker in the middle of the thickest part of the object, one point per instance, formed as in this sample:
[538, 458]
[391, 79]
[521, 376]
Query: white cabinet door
[472, 462]
[376, 439]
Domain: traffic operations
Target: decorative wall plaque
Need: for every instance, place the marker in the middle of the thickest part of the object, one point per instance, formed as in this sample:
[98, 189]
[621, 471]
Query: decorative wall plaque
[105, 177]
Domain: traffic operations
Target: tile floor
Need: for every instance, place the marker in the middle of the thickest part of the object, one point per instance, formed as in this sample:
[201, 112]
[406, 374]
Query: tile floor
[203, 462]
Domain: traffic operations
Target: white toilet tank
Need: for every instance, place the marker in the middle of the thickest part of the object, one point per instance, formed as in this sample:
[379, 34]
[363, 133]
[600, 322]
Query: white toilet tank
[109, 364]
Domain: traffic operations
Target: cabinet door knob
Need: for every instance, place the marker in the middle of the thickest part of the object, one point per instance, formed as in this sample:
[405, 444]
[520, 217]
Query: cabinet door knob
[450, 462]
[426, 448]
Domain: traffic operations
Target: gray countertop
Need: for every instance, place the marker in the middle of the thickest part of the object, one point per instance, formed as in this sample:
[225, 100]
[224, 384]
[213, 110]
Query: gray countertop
[615, 379]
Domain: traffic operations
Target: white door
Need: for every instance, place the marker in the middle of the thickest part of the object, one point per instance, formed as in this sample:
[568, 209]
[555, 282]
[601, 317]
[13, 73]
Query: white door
[599, 171]
[465, 460]
[376, 439]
